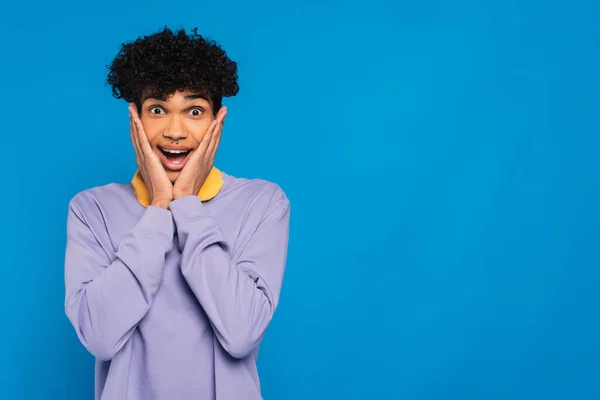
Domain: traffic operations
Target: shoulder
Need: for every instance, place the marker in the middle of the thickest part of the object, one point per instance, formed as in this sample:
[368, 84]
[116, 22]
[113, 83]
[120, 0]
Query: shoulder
[260, 195]
[97, 198]
[259, 189]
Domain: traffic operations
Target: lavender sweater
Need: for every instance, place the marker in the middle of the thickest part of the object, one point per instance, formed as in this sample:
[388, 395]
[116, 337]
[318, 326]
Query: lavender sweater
[173, 303]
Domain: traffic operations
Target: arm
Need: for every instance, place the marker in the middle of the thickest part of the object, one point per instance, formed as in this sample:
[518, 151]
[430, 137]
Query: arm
[105, 299]
[238, 296]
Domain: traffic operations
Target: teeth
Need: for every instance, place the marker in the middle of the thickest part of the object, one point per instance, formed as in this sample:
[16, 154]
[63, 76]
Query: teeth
[175, 151]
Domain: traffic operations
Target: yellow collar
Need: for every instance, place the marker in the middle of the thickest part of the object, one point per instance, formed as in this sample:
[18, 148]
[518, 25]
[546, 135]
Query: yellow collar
[212, 186]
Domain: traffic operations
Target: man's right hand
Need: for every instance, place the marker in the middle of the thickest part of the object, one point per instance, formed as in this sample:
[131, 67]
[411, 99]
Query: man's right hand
[154, 175]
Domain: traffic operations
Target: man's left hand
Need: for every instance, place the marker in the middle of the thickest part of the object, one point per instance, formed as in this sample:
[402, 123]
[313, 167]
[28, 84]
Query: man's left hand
[196, 170]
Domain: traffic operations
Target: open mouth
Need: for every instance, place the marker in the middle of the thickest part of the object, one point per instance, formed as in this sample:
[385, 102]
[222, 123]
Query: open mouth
[174, 159]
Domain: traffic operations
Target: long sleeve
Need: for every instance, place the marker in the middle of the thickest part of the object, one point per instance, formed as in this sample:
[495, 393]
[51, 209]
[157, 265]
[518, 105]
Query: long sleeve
[106, 296]
[238, 296]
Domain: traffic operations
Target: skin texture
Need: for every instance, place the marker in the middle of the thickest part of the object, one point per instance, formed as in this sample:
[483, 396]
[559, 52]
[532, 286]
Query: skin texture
[183, 120]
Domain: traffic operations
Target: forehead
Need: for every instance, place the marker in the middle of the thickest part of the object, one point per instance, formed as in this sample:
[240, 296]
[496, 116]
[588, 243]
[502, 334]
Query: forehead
[179, 96]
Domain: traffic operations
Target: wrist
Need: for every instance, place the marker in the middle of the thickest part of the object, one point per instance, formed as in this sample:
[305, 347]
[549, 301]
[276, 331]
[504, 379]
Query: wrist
[184, 193]
[162, 203]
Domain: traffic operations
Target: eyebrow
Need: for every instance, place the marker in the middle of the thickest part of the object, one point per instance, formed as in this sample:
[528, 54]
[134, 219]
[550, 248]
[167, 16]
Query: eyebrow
[195, 96]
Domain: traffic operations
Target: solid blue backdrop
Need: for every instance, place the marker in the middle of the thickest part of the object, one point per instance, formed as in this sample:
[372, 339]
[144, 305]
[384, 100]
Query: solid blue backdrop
[441, 159]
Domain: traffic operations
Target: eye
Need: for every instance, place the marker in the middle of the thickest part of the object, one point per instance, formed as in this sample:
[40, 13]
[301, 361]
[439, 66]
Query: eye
[156, 110]
[196, 112]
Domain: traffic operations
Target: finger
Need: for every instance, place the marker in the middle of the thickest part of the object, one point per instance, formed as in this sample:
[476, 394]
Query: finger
[133, 110]
[216, 133]
[197, 154]
[210, 159]
[137, 127]
[134, 139]
[200, 152]
[203, 147]
[218, 140]
[221, 115]
[131, 130]
[220, 122]
[144, 144]
[215, 139]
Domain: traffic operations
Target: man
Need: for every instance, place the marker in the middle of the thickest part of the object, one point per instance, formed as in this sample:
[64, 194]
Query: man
[172, 280]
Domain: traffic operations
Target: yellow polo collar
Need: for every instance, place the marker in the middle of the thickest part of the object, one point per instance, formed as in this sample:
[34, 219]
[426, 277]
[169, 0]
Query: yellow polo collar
[212, 186]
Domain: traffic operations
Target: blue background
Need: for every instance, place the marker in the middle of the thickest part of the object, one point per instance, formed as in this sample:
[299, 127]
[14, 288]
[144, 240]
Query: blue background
[442, 163]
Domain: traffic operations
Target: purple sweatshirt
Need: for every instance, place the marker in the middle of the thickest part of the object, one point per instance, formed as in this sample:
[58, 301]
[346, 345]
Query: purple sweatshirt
[173, 303]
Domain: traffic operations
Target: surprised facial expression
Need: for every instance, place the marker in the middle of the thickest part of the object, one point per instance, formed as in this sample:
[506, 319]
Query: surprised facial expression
[175, 127]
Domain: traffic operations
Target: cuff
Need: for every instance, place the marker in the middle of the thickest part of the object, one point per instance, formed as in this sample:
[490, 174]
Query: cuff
[186, 209]
[157, 221]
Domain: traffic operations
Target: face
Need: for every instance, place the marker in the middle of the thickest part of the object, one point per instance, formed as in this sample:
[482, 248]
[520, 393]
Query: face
[175, 126]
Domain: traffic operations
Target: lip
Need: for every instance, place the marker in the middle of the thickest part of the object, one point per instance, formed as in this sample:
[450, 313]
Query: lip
[172, 147]
[171, 165]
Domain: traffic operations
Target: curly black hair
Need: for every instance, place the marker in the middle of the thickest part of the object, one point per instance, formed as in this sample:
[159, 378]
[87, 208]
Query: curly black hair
[167, 61]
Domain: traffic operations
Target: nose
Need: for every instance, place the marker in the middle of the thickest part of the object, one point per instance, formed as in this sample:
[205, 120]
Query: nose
[175, 130]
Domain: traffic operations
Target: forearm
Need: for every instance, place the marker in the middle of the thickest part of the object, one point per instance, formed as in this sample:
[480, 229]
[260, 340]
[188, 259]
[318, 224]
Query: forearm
[236, 299]
[106, 302]
[239, 309]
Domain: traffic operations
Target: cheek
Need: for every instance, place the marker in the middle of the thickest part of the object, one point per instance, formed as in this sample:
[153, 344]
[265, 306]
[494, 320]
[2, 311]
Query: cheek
[152, 130]
[198, 130]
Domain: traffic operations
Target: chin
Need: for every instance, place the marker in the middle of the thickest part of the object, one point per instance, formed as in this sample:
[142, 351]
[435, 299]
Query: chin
[172, 176]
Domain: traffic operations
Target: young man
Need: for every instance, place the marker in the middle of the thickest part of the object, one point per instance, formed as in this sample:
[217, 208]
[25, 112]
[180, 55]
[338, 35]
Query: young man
[172, 280]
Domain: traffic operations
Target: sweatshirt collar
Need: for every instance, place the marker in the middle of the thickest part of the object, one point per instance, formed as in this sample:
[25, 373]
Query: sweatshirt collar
[212, 186]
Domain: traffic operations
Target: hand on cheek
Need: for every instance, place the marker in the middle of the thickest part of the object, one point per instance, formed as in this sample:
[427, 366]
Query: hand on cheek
[201, 161]
[154, 175]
